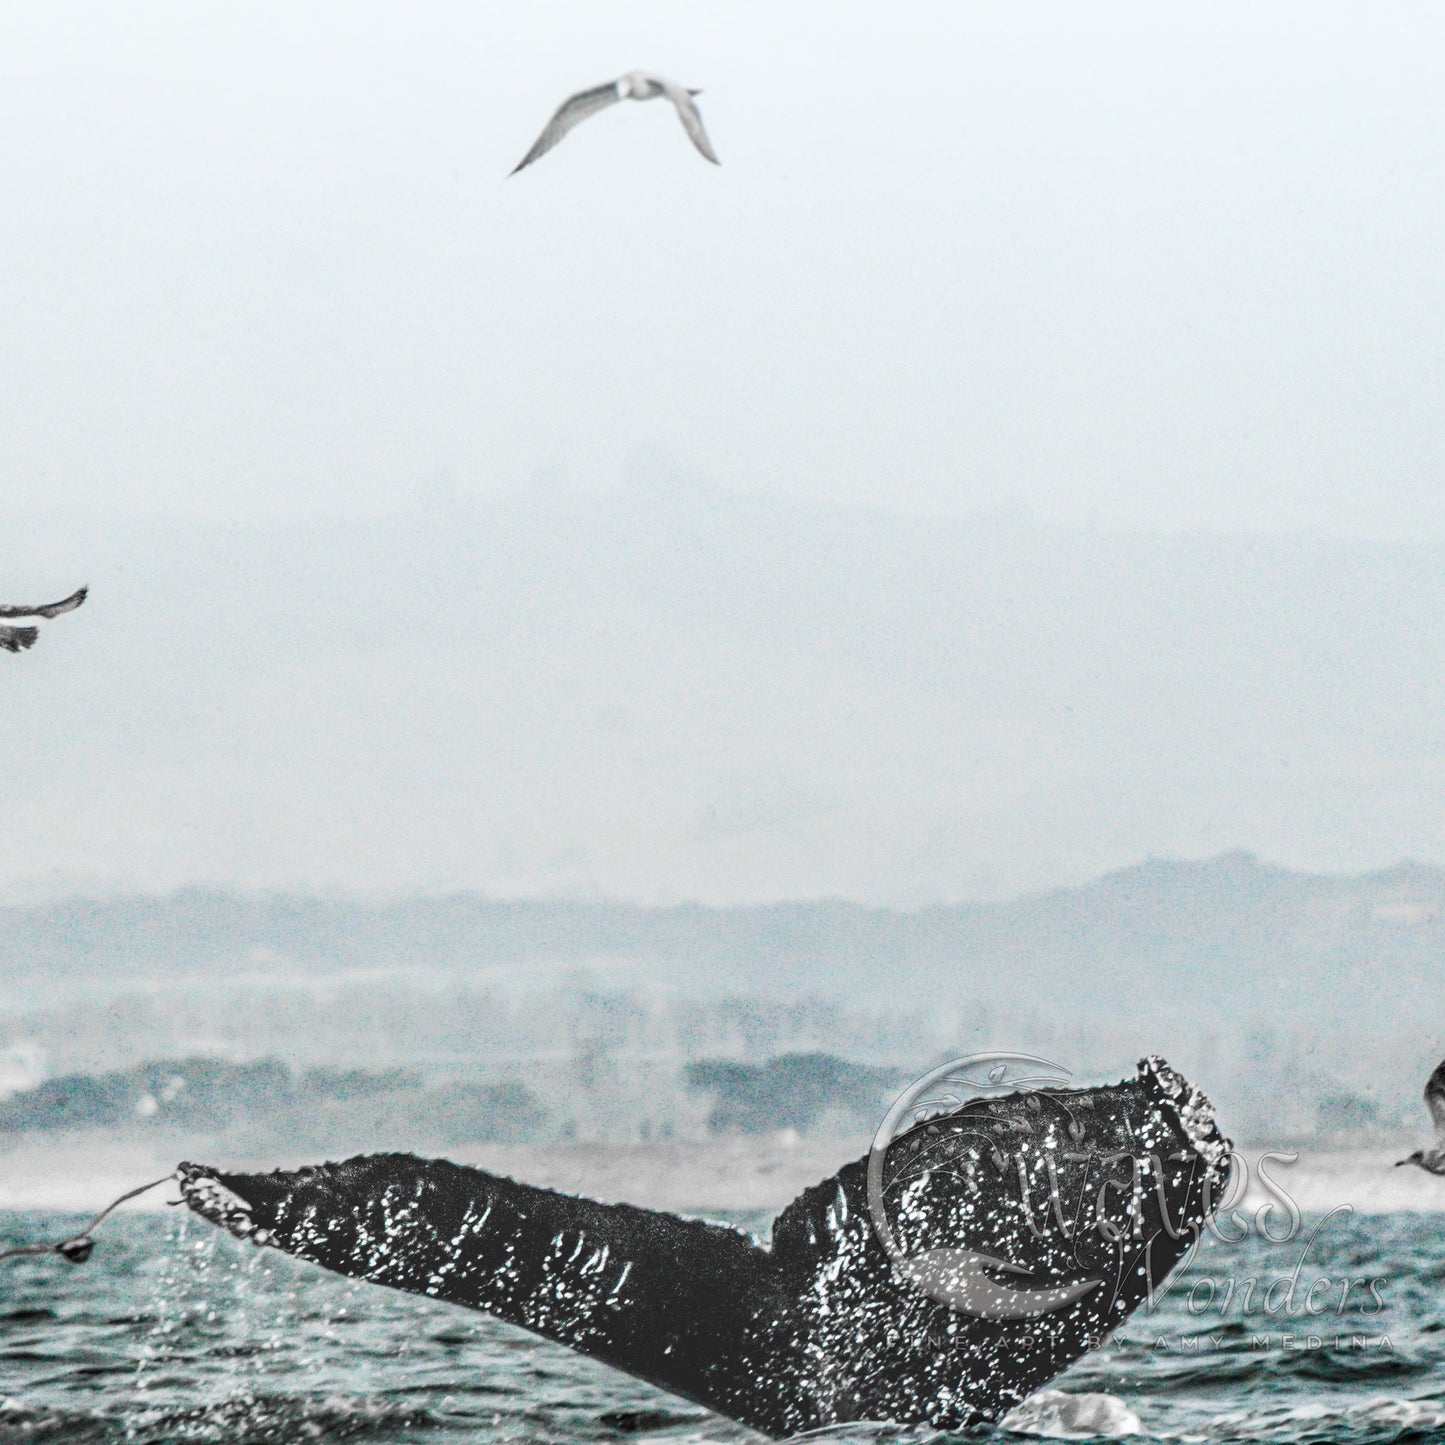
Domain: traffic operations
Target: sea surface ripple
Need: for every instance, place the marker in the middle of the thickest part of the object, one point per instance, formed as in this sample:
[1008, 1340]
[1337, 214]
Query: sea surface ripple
[176, 1332]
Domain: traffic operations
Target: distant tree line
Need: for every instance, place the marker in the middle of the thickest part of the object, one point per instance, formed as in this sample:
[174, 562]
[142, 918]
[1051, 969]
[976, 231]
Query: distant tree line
[211, 1095]
[793, 1091]
[264, 1104]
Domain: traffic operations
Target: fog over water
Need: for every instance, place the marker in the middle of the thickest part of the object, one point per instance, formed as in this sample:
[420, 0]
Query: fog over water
[1019, 457]
[679, 694]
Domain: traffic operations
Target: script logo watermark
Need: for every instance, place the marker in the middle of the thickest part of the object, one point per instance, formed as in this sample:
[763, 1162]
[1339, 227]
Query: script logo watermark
[1276, 1220]
[962, 1278]
[988, 1286]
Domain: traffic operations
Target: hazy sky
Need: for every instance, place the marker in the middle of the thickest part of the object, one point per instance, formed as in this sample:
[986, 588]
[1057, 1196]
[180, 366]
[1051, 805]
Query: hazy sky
[1150, 265]
[1134, 268]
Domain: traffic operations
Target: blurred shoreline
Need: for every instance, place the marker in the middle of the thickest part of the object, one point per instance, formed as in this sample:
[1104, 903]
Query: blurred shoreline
[742, 1173]
[738, 1173]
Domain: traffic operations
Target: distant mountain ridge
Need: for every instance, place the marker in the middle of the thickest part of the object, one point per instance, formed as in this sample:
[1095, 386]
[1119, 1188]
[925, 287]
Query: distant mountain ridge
[1148, 935]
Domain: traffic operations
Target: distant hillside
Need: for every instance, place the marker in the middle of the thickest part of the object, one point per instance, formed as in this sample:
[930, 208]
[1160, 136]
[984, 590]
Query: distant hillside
[1307, 1003]
[1185, 938]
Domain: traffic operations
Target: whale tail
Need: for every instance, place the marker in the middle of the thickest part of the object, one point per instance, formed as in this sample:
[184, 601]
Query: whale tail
[1047, 1255]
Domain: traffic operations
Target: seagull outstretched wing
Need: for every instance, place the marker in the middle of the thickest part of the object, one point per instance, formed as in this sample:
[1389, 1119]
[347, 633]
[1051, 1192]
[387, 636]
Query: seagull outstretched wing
[572, 112]
[50, 609]
[687, 113]
[16, 639]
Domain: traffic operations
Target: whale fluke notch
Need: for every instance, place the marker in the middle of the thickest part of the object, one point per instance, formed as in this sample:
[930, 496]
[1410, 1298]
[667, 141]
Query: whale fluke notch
[1103, 1193]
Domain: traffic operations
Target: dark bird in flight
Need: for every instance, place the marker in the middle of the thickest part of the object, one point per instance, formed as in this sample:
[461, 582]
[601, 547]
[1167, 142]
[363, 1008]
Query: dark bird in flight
[635, 85]
[78, 1247]
[14, 639]
[1433, 1160]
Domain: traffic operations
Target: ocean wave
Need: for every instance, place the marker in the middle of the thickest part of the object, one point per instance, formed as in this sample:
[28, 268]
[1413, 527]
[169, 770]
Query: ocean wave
[1376, 1421]
[277, 1420]
[202, 1340]
[1060, 1415]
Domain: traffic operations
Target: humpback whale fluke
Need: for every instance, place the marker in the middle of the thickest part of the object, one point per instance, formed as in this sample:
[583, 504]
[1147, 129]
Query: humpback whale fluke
[635, 85]
[1433, 1159]
[15, 639]
[1101, 1193]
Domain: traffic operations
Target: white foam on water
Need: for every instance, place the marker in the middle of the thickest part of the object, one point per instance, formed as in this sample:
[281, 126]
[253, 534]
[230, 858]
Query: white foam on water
[1059, 1415]
[1409, 1414]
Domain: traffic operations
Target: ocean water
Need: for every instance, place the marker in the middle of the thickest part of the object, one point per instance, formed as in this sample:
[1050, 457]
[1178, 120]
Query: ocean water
[176, 1332]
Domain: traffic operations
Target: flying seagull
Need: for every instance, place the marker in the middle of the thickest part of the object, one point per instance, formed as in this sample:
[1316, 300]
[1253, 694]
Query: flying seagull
[1433, 1160]
[635, 85]
[78, 1247]
[13, 639]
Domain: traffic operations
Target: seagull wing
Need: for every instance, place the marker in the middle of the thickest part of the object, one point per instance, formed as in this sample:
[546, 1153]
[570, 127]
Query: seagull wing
[50, 609]
[687, 113]
[14, 639]
[116, 1203]
[19, 1251]
[1435, 1100]
[570, 113]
